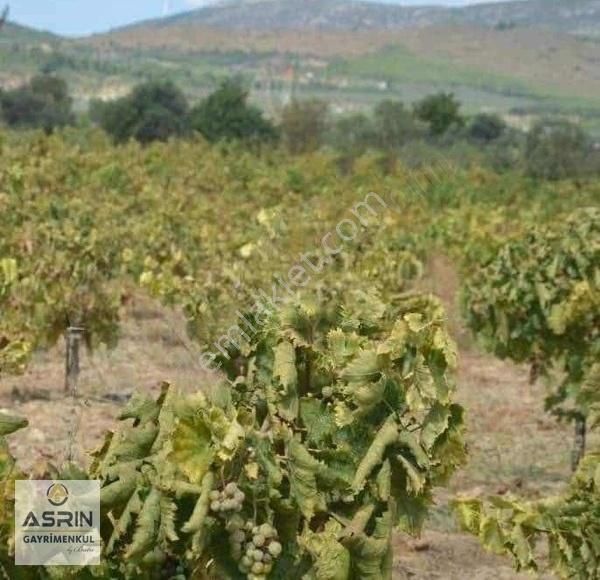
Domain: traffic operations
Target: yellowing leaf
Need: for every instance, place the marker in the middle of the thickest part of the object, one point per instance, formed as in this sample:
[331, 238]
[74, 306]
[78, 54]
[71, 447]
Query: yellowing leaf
[192, 449]
[435, 424]
[284, 369]
[364, 367]
[331, 561]
[415, 479]
[303, 470]
[251, 470]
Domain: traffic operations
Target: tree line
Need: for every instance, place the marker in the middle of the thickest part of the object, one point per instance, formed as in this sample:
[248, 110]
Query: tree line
[158, 111]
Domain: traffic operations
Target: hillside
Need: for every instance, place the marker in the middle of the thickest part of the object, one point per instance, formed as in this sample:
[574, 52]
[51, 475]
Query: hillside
[12, 32]
[524, 57]
[572, 16]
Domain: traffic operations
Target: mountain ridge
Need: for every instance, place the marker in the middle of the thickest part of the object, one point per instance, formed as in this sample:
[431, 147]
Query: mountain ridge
[12, 31]
[576, 17]
[530, 56]
[580, 17]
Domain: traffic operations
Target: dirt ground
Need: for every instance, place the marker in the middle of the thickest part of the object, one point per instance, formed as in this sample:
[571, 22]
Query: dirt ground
[515, 447]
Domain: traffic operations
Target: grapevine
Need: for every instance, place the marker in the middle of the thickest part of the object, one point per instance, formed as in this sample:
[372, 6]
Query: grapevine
[269, 478]
[537, 301]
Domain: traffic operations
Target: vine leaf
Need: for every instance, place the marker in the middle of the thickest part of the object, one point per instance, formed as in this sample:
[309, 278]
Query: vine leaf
[318, 421]
[331, 561]
[192, 449]
[435, 424]
[10, 423]
[147, 525]
[416, 481]
[303, 471]
[284, 369]
[364, 367]
[386, 436]
[492, 536]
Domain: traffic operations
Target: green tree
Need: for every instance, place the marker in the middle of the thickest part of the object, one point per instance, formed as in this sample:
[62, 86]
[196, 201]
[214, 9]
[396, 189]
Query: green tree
[556, 149]
[394, 125]
[153, 111]
[303, 125]
[353, 134]
[440, 111]
[226, 115]
[42, 103]
[485, 127]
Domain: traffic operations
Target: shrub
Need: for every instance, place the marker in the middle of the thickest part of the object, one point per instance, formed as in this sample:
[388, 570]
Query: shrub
[440, 111]
[556, 149]
[154, 111]
[394, 125]
[353, 134]
[485, 127]
[506, 152]
[226, 115]
[303, 125]
[44, 103]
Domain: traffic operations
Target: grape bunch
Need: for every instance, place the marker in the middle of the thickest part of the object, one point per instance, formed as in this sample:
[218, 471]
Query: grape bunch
[254, 547]
[231, 499]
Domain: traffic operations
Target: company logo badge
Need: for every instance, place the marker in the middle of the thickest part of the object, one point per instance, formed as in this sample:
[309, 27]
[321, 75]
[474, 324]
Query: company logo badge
[57, 494]
[57, 523]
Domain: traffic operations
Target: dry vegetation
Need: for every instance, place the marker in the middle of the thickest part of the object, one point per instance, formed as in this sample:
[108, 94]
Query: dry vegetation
[196, 38]
[540, 58]
[543, 58]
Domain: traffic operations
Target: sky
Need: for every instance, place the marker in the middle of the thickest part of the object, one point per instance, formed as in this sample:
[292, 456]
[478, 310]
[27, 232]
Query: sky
[81, 17]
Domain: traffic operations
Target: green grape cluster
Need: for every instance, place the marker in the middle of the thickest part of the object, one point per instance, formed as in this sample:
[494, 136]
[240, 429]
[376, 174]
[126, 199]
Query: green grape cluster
[254, 547]
[327, 392]
[231, 499]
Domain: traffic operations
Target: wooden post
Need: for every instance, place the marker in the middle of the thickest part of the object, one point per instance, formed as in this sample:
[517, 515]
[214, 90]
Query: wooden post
[579, 443]
[73, 339]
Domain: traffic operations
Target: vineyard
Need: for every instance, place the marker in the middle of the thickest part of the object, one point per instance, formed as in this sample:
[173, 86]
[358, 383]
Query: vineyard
[324, 412]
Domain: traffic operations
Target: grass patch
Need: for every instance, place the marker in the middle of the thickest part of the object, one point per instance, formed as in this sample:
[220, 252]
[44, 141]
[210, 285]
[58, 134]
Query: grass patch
[398, 64]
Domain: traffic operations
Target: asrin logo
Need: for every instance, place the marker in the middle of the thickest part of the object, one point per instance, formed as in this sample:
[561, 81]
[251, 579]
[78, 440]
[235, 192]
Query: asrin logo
[57, 494]
[57, 523]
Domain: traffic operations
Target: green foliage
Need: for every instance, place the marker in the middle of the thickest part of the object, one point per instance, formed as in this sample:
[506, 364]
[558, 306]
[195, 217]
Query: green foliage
[342, 418]
[226, 115]
[338, 418]
[394, 125]
[440, 111]
[303, 125]
[153, 111]
[9, 473]
[43, 103]
[568, 525]
[506, 153]
[388, 129]
[353, 134]
[536, 301]
[71, 284]
[14, 347]
[485, 127]
[556, 149]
